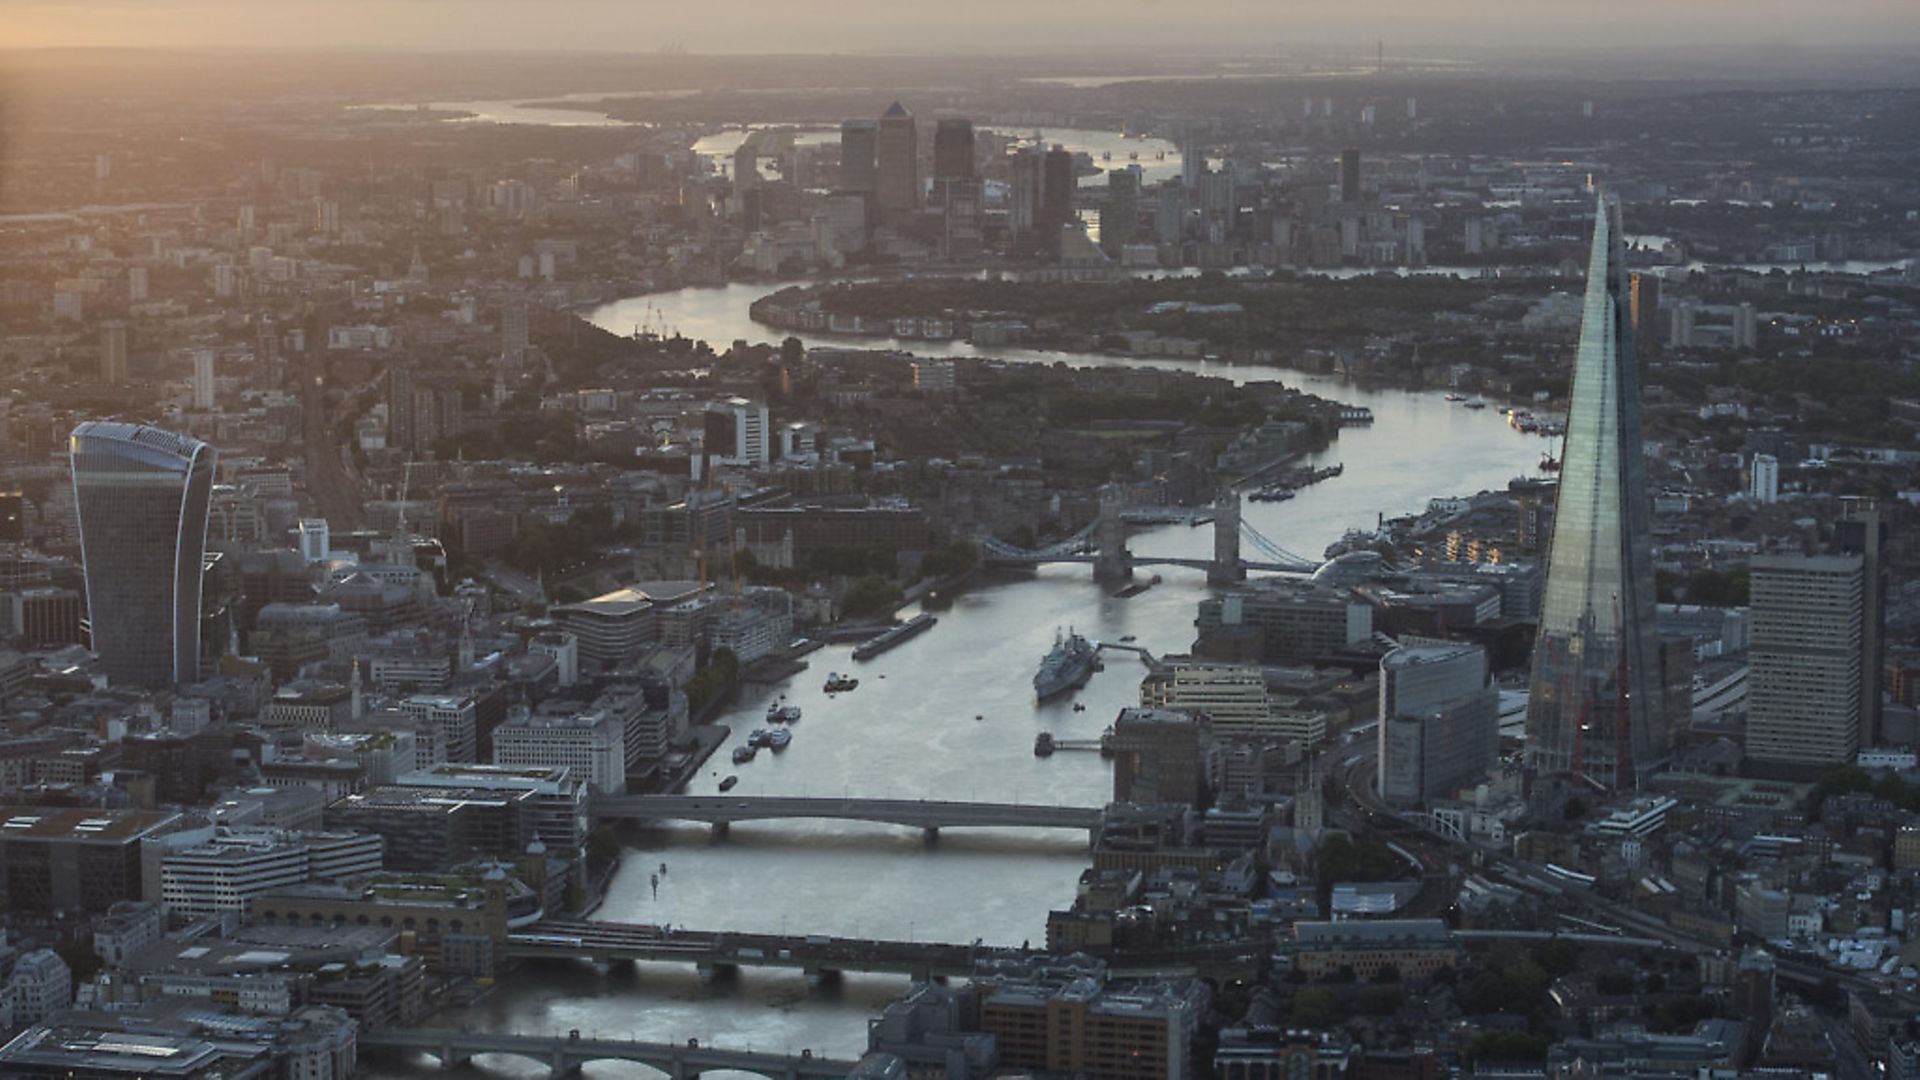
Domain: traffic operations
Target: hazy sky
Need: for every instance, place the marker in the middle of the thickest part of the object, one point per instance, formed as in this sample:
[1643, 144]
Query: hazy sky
[945, 25]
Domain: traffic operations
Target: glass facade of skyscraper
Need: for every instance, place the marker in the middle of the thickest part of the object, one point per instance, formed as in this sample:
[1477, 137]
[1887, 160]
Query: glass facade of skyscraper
[1595, 714]
[142, 496]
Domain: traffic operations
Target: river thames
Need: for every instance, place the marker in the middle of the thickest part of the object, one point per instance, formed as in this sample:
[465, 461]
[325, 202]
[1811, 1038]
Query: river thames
[949, 714]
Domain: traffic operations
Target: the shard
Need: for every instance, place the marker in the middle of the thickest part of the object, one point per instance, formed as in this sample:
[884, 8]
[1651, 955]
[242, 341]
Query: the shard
[1595, 716]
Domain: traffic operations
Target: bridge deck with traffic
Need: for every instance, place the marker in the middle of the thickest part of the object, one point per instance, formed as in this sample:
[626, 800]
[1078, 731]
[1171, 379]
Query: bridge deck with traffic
[915, 813]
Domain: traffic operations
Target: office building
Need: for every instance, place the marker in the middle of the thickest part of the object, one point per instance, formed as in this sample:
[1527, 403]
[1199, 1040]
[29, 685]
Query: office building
[757, 623]
[1680, 320]
[514, 337]
[1157, 757]
[590, 742]
[934, 377]
[113, 352]
[859, 154]
[203, 383]
[315, 541]
[564, 649]
[1862, 531]
[455, 719]
[1350, 176]
[953, 150]
[45, 616]
[555, 810]
[1193, 163]
[1804, 704]
[1233, 697]
[611, 629]
[1643, 306]
[1120, 217]
[1746, 326]
[751, 431]
[1025, 170]
[379, 755]
[309, 707]
[897, 161]
[163, 1041]
[746, 164]
[141, 497]
[1057, 183]
[1595, 714]
[1275, 621]
[226, 872]
[57, 860]
[292, 638]
[1063, 1016]
[1763, 479]
[1439, 722]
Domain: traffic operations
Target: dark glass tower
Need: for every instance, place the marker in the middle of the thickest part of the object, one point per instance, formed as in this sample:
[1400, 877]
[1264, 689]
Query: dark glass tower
[1595, 716]
[141, 494]
[897, 160]
[859, 145]
[953, 150]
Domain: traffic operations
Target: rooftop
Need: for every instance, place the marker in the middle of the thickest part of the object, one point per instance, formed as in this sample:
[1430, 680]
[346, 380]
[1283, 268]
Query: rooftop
[102, 826]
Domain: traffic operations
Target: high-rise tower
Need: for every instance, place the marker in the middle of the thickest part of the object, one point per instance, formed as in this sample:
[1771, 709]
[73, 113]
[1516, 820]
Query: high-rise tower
[141, 495]
[858, 146]
[953, 150]
[113, 352]
[1595, 714]
[897, 161]
[1805, 709]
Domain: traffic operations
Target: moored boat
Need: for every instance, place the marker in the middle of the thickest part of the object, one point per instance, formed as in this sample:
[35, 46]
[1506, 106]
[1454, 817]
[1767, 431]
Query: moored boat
[1066, 667]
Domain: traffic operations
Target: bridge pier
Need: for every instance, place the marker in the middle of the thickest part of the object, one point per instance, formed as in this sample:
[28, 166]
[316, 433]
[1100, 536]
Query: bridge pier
[1113, 561]
[931, 833]
[451, 1059]
[559, 1068]
[1226, 567]
[720, 829]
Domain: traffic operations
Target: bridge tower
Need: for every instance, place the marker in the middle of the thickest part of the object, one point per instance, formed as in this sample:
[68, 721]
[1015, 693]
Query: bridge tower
[1226, 567]
[1114, 562]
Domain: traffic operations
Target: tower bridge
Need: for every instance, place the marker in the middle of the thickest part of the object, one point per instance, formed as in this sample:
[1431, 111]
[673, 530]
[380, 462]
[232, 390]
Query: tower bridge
[1103, 545]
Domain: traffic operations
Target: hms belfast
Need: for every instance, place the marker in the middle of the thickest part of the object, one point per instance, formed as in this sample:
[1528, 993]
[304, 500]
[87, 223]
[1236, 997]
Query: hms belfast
[1595, 715]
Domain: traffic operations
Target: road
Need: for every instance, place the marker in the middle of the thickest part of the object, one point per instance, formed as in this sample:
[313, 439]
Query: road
[336, 492]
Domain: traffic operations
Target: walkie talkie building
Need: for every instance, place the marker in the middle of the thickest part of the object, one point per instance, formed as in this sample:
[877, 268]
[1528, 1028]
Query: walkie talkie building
[1595, 714]
[141, 494]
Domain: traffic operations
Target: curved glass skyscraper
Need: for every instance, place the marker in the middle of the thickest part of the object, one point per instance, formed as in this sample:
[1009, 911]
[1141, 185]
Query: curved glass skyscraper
[141, 494]
[1595, 714]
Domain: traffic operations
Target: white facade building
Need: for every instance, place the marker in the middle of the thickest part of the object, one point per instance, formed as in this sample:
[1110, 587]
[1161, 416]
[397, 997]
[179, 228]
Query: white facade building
[591, 744]
[1763, 479]
[315, 540]
[226, 872]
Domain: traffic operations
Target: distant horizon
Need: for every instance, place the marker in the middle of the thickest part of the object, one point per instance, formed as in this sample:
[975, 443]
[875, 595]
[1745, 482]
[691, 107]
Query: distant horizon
[862, 27]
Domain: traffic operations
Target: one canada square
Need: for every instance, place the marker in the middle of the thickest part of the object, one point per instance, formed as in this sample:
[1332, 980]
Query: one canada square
[142, 496]
[1595, 716]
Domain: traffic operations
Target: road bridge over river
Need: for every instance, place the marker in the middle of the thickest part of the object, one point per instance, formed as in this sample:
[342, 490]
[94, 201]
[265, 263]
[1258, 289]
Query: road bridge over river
[563, 1055]
[930, 815]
